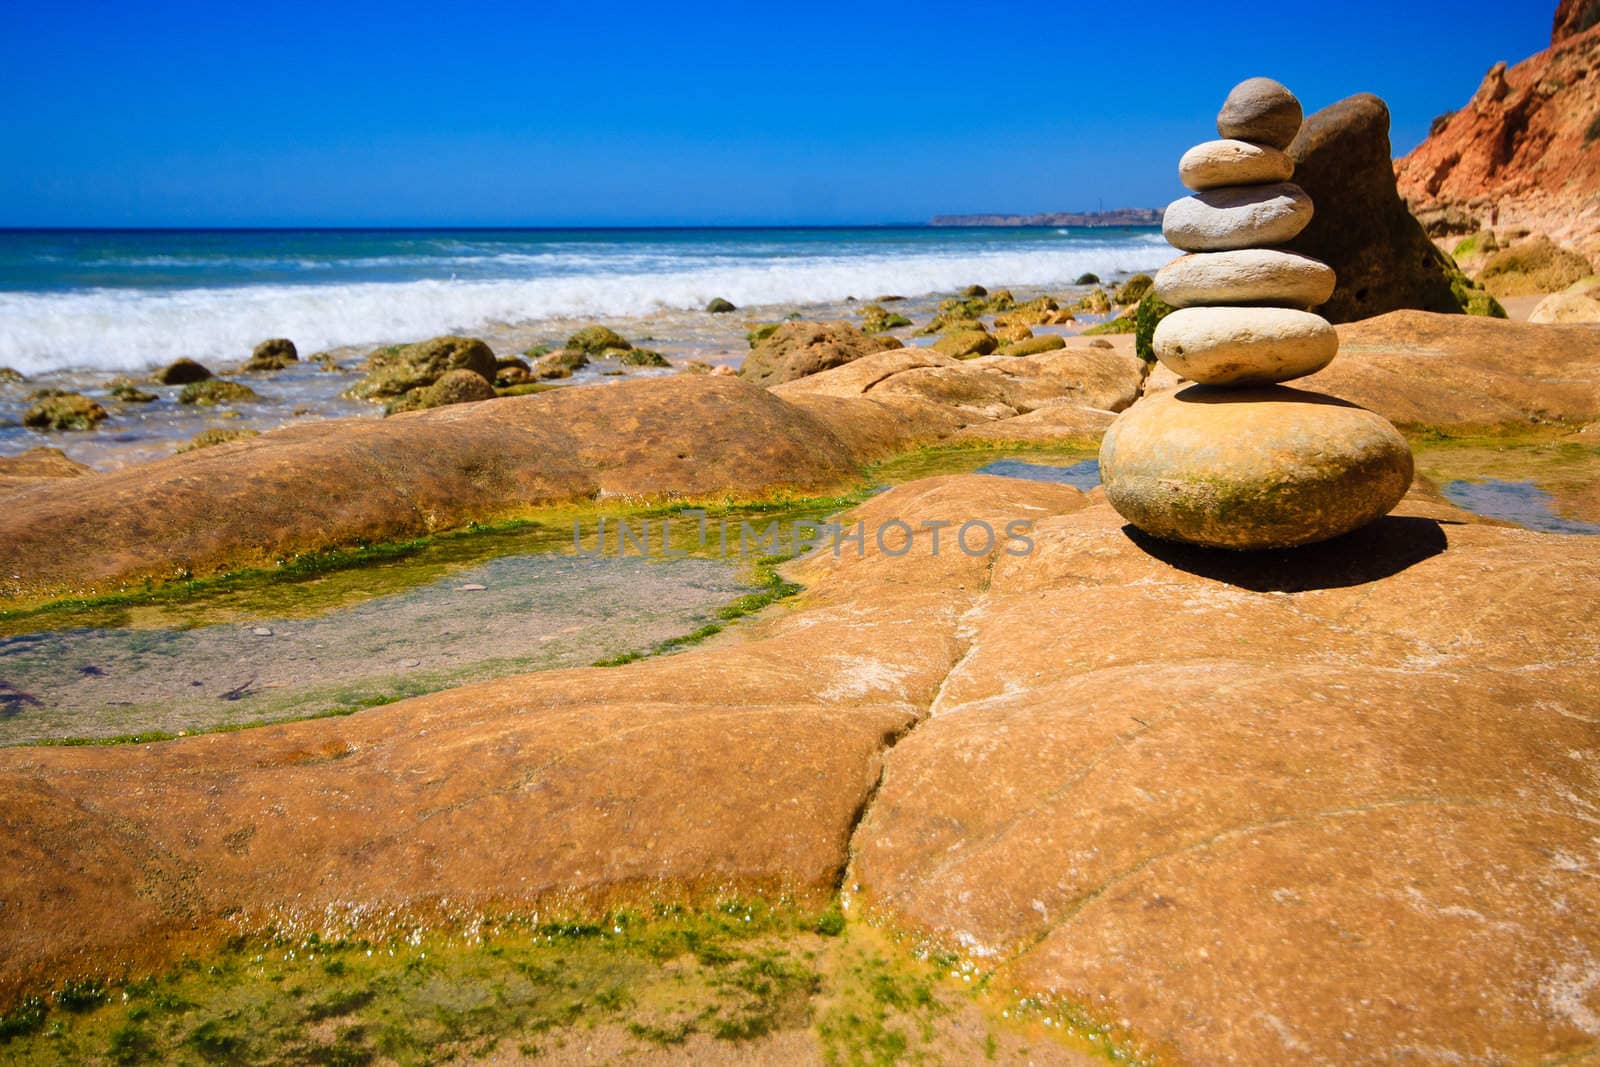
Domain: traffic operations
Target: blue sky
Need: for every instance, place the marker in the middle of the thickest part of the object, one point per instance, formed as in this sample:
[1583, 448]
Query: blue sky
[397, 113]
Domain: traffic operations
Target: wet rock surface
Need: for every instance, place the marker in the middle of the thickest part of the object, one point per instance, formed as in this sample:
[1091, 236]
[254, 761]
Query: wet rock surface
[1237, 807]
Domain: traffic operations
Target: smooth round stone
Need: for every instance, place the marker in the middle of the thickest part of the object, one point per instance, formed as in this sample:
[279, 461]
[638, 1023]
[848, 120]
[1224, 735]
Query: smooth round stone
[1260, 110]
[1245, 276]
[1213, 164]
[1239, 216]
[1244, 346]
[1252, 468]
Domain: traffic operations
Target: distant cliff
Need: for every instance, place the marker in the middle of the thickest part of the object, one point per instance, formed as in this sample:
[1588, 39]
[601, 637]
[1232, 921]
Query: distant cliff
[1523, 152]
[1128, 216]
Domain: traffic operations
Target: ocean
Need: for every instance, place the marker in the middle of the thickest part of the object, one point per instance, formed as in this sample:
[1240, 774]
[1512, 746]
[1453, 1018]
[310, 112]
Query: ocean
[131, 300]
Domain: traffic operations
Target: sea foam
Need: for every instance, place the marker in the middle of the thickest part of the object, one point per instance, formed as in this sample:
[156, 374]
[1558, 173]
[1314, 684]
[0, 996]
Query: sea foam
[129, 329]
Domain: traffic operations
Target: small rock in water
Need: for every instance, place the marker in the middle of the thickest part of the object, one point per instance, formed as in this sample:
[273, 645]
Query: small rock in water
[471, 587]
[261, 631]
[1262, 111]
[182, 372]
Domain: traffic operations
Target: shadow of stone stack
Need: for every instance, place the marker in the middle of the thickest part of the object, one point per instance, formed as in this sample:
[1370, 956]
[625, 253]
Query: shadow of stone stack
[1237, 460]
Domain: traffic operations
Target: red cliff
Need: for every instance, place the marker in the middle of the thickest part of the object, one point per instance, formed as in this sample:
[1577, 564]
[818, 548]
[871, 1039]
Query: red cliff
[1525, 151]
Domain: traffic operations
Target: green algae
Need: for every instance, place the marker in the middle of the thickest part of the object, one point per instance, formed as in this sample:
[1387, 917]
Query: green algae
[966, 457]
[739, 971]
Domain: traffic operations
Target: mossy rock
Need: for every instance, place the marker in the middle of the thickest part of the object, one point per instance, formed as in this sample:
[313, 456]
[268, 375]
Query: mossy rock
[459, 386]
[214, 391]
[974, 290]
[526, 389]
[761, 333]
[719, 306]
[965, 344]
[1123, 323]
[1133, 290]
[53, 409]
[1013, 331]
[1480, 243]
[273, 354]
[1537, 265]
[876, 319]
[1032, 346]
[216, 436]
[1095, 302]
[1475, 300]
[401, 369]
[1151, 310]
[642, 357]
[10, 377]
[1087, 279]
[595, 340]
[182, 372]
[559, 364]
[125, 390]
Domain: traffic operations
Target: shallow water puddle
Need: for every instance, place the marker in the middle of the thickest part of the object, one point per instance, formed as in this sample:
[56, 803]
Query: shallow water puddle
[1521, 502]
[506, 616]
[1084, 474]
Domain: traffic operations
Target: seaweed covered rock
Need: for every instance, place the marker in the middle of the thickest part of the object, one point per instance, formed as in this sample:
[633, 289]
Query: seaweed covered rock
[182, 372]
[8, 376]
[214, 391]
[273, 354]
[458, 386]
[397, 370]
[642, 357]
[875, 318]
[1132, 291]
[216, 436]
[125, 390]
[558, 364]
[1362, 228]
[54, 409]
[796, 349]
[965, 344]
[1032, 346]
[596, 340]
[719, 306]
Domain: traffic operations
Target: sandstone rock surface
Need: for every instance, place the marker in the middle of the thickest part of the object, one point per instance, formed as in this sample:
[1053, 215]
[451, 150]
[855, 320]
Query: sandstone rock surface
[1244, 346]
[1246, 276]
[1256, 809]
[317, 486]
[797, 349]
[1251, 216]
[1465, 372]
[1214, 164]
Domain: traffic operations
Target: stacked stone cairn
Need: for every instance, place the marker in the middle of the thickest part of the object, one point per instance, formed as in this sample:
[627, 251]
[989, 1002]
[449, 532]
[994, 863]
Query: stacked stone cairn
[1237, 460]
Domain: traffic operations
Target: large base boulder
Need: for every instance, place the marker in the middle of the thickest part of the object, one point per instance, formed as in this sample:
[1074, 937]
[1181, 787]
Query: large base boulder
[1255, 468]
